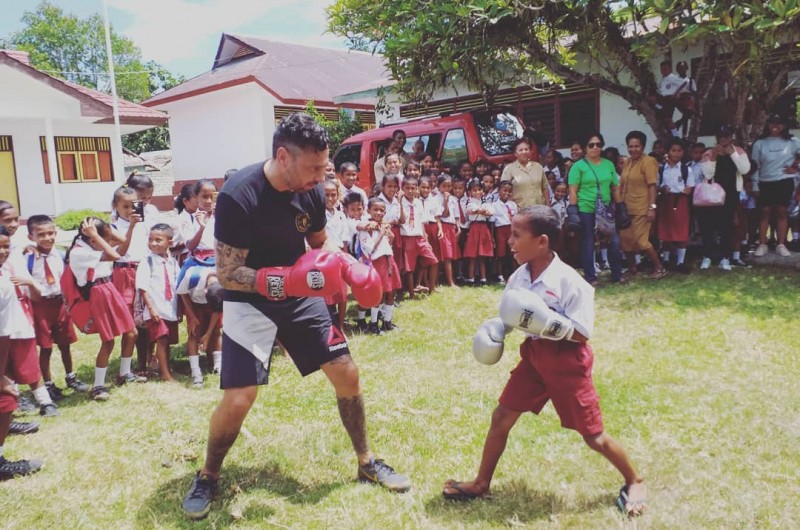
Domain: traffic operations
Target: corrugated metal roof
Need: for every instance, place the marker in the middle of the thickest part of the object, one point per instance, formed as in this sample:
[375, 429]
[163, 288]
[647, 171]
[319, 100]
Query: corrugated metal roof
[294, 73]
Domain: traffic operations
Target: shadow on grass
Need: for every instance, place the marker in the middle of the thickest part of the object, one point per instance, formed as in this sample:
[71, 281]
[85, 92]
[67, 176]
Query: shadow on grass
[513, 503]
[163, 507]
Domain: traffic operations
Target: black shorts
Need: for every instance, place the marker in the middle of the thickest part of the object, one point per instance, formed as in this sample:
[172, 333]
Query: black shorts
[776, 194]
[302, 325]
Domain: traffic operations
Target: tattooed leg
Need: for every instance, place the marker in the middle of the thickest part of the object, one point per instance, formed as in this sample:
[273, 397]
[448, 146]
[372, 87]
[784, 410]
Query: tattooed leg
[226, 421]
[343, 374]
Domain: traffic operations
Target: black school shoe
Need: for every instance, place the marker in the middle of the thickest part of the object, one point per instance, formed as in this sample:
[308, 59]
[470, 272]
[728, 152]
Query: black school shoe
[18, 468]
[378, 472]
[54, 391]
[48, 410]
[361, 325]
[76, 384]
[197, 502]
[23, 427]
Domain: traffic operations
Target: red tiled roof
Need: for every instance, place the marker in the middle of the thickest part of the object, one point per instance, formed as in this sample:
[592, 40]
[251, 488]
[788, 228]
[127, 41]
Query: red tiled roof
[97, 103]
[293, 73]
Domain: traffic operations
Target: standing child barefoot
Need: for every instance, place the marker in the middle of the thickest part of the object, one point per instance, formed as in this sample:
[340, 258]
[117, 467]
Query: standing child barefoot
[554, 306]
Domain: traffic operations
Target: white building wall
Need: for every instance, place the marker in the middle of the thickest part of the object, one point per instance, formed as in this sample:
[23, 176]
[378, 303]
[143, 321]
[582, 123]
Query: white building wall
[211, 133]
[268, 102]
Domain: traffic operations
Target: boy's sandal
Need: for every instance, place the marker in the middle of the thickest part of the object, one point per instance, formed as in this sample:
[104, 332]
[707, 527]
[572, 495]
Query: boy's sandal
[658, 274]
[628, 507]
[461, 494]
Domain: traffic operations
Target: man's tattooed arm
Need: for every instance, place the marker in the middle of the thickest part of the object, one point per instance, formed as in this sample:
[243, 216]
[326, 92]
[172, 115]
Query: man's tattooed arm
[231, 270]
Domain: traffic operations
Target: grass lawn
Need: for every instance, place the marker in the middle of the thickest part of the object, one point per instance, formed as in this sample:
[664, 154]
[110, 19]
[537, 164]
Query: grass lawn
[697, 376]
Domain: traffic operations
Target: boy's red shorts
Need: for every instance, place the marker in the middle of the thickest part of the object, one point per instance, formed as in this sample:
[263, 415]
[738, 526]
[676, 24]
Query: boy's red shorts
[417, 248]
[560, 371]
[162, 328]
[52, 323]
[22, 368]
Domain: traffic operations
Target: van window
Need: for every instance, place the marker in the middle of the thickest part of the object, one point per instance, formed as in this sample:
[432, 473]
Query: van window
[497, 131]
[348, 153]
[455, 147]
[429, 144]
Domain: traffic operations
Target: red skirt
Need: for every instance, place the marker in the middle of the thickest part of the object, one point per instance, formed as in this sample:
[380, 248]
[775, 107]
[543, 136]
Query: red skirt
[502, 233]
[673, 218]
[432, 230]
[448, 245]
[124, 280]
[203, 313]
[479, 241]
[389, 273]
[109, 311]
[397, 247]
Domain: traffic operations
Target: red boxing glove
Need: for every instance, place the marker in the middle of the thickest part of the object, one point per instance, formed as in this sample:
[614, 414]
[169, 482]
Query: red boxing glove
[364, 281]
[315, 273]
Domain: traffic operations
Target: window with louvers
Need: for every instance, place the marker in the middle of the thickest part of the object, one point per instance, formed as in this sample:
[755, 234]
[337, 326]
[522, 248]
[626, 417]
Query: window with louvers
[562, 120]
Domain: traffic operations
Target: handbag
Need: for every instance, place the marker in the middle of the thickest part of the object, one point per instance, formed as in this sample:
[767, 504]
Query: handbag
[604, 221]
[708, 193]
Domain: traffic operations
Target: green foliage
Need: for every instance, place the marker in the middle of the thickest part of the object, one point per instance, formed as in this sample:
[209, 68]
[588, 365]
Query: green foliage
[338, 131]
[71, 219]
[614, 46]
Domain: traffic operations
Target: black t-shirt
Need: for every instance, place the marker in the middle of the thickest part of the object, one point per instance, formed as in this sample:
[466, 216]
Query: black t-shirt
[251, 214]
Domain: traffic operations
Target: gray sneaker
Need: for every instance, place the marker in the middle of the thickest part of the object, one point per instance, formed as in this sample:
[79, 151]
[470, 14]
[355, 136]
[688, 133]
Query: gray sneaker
[378, 472]
[18, 468]
[130, 377]
[197, 502]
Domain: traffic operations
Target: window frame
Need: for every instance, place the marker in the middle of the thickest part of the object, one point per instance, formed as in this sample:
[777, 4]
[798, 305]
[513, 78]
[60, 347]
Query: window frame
[444, 145]
[78, 150]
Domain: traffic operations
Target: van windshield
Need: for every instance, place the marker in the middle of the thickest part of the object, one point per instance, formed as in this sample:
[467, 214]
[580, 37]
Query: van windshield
[497, 131]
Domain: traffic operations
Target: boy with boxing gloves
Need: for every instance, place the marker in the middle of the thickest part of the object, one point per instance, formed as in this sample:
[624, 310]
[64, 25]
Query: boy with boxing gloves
[554, 306]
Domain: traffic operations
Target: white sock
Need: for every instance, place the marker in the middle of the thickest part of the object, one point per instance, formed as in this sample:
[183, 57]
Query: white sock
[362, 315]
[637, 258]
[665, 255]
[388, 310]
[125, 365]
[100, 376]
[680, 255]
[604, 254]
[217, 360]
[194, 364]
[736, 254]
[42, 395]
[373, 314]
[46, 383]
[71, 375]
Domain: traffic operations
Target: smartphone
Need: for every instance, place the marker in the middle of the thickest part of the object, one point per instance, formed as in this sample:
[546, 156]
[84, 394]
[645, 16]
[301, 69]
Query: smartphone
[138, 209]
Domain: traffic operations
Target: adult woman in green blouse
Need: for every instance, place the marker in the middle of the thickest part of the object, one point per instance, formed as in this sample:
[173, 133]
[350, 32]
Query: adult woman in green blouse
[585, 176]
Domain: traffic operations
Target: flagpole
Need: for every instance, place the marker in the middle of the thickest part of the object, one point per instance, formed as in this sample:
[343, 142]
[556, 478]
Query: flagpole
[119, 168]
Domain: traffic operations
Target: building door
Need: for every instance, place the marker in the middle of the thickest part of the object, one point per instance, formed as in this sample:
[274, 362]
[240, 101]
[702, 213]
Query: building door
[8, 175]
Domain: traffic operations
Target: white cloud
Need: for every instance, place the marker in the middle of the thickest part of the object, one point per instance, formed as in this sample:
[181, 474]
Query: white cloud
[173, 30]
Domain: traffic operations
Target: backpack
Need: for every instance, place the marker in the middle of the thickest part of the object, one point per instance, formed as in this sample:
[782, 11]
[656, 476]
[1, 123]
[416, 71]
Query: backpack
[684, 174]
[77, 300]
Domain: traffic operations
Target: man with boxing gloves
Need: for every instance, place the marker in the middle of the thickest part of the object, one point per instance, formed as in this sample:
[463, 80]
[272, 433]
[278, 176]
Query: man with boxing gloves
[266, 214]
[554, 306]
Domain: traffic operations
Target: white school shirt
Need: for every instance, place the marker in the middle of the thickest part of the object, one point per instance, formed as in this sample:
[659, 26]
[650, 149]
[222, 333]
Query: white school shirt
[431, 208]
[185, 228]
[560, 207]
[21, 326]
[368, 242]
[696, 172]
[197, 293]
[356, 189]
[503, 211]
[137, 250]
[492, 196]
[392, 209]
[407, 228]
[563, 290]
[207, 239]
[83, 258]
[7, 296]
[336, 227]
[153, 281]
[556, 173]
[672, 177]
[56, 263]
[452, 205]
[152, 214]
[670, 84]
[473, 206]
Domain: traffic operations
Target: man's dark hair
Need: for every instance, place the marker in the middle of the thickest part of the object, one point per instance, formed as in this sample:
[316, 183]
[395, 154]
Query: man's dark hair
[636, 135]
[214, 296]
[38, 220]
[299, 131]
[542, 221]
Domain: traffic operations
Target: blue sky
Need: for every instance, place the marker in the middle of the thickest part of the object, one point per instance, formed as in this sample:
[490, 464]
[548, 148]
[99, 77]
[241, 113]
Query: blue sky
[183, 34]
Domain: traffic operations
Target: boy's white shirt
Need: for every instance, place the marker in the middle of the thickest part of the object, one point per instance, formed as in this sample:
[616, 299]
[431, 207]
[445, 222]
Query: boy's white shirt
[501, 216]
[56, 263]
[406, 229]
[197, 293]
[21, 327]
[368, 242]
[392, 209]
[153, 282]
[431, 208]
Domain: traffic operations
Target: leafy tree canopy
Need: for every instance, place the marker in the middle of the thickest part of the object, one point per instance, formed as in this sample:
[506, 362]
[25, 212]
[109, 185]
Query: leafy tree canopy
[610, 45]
[338, 131]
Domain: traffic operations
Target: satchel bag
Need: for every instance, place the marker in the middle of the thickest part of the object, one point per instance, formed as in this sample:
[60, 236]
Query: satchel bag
[604, 222]
[707, 194]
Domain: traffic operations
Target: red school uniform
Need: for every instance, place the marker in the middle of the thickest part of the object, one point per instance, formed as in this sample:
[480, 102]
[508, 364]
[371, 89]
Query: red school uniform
[111, 315]
[503, 214]
[479, 239]
[51, 320]
[23, 362]
[448, 245]
[124, 269]
[415, 246]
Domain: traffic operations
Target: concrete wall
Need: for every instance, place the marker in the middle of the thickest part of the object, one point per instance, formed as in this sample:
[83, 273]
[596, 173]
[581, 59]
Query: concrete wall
[211, 133]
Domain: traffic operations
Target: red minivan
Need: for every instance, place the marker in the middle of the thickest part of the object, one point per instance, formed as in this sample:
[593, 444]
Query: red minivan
[465, 136]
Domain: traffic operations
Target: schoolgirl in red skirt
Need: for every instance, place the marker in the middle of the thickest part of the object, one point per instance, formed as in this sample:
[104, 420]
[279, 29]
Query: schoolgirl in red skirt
[448, 245]
[674, 205]
[394, 215]
[90, 260]
[479, 245]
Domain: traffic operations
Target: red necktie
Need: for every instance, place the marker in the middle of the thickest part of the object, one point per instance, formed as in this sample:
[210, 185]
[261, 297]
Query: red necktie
[510, 215]
[461, 213]
[411, 215]
[167, 286]
[48, 273]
